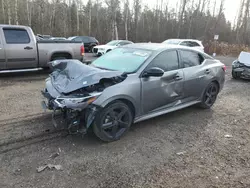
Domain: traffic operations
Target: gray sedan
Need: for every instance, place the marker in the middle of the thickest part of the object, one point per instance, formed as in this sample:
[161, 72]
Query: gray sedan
[131, 84]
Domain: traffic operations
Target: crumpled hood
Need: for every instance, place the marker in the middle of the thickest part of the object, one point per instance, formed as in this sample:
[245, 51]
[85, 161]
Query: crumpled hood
[71, 75]
[244, 58]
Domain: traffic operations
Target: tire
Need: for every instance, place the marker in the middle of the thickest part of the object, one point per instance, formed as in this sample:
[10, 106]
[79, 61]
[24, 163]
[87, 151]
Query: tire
[113, 121]
[108, 50]
[58, 58]
[91, 49]
[210, 95]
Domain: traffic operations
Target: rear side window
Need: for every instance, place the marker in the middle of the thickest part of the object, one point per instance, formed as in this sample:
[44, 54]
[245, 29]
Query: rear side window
[186, 43]
[190, 44]
[191, 59]
[124, 43]
[92, 39]
[77, 39]
[16, 36]
[167, 60]
[86, 39]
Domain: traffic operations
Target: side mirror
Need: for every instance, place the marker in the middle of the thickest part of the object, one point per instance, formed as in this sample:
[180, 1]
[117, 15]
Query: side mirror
[118, 45]
[154, 72]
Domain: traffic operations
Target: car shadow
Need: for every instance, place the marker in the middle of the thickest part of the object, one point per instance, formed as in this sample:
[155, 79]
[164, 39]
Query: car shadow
[193, 118]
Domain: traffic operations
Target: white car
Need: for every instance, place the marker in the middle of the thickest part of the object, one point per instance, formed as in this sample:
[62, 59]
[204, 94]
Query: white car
[102, 49]
[186, 42]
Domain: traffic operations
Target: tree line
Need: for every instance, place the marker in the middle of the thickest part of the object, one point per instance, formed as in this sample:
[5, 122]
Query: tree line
[129, 19]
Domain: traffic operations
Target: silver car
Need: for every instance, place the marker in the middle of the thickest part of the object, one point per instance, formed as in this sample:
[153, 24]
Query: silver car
[130, 84]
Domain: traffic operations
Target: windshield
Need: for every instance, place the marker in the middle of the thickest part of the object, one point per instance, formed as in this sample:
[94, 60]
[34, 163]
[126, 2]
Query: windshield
[113, 42]
[171, 42]
[122, 59]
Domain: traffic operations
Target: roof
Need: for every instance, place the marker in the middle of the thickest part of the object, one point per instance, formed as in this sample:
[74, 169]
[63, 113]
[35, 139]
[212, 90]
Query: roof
[13, 26]
[156, 46]
[186, 40]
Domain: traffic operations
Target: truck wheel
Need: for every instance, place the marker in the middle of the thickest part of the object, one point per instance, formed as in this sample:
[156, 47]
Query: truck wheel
[209, 96]
[58, 58]
[113, 121]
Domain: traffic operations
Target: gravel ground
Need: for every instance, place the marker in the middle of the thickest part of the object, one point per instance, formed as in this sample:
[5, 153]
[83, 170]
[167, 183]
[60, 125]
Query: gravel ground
[188, 148]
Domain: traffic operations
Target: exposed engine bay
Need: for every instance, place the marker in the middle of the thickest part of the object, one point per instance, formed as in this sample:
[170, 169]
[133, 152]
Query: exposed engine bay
[71, 89]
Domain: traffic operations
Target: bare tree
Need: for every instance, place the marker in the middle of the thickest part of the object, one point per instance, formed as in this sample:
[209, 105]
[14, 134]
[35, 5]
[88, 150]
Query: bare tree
[183, 7]
[16, 13]
[222, 2]
[245, 20]
[137, 7]
[3, 12]
[126, 12]
[90, 15]
[191, 21]
[9, 13]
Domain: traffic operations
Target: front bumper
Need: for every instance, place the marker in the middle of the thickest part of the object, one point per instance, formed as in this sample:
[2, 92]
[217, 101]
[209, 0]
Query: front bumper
[242, 72]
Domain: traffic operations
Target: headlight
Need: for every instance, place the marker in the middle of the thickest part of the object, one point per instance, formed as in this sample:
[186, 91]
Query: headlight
[76, 101]
[236, 64]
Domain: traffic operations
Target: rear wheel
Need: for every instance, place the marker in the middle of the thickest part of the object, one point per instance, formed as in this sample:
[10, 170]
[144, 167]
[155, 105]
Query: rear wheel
[209, 96]
[113, 121]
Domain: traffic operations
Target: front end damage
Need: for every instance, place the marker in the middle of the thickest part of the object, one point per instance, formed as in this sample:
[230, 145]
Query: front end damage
[70, 93]
[241, 67]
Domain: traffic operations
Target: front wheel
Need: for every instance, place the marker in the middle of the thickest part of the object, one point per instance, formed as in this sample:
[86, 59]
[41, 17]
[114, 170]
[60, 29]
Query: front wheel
[113, 121]
[234, 75]
[209, 96]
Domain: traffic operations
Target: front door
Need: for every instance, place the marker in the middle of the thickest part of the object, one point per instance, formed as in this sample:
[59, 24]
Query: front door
[20, 48]
[163, 92]
[2, 55]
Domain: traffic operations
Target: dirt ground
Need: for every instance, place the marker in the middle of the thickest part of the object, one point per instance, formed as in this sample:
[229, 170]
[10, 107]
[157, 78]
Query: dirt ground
[188, 148]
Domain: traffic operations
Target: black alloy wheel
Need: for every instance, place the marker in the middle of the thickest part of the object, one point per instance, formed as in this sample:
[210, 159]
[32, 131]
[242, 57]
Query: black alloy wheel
[210, 96]
[113, 122]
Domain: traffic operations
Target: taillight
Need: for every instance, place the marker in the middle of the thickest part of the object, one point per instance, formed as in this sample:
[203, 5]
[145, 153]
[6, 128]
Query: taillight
[224, 68]
[82, 50]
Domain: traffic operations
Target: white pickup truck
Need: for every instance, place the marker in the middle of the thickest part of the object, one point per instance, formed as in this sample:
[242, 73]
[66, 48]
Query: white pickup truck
[20, 51]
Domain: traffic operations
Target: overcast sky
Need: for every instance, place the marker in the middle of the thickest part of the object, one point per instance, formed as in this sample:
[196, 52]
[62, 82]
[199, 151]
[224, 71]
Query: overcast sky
[231, 6]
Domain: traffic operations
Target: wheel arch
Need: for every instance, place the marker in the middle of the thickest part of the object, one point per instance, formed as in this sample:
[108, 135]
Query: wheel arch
[217, 83]
[67, 55]
[125, 99]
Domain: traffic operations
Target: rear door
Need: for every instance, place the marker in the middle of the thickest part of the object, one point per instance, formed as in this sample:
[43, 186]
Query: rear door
[163, 92]
[20, 48]
[2, 54]
[194, 72]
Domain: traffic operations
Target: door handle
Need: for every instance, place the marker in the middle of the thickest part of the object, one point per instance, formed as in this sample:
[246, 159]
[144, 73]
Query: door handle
[207, 71]
[28, 48]
[177, 77]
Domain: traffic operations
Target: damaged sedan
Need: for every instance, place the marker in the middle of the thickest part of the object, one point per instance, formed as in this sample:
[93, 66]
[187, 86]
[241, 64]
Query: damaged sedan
[130, 84]
[241, 66]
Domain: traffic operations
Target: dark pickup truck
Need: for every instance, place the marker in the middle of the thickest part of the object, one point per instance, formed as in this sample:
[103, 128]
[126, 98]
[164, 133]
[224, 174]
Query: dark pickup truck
[20, 50]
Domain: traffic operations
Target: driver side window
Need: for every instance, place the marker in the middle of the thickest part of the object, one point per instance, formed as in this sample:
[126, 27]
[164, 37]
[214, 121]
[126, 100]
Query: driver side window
[167, 60]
